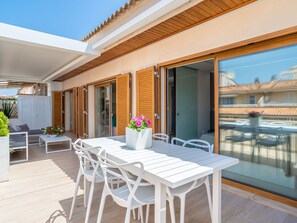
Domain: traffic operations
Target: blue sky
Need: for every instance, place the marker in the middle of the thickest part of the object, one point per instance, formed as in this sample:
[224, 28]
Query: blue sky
[8, 92]
[262, 65]
[68, 18]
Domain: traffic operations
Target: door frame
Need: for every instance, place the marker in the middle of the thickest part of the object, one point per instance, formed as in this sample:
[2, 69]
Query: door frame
[164, 85]
[105, 84]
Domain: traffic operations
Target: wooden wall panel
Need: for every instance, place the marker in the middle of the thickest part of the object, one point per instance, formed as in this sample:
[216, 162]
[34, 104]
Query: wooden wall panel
[146, 94]
[57, 106]
[123, 102]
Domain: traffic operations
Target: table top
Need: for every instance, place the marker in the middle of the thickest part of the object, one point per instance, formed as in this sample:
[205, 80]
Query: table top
[276, 128]
[47, 138]
[169, 164]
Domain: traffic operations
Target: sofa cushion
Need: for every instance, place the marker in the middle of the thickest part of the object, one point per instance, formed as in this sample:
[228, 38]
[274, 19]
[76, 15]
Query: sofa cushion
[11, 129]
[35, 132]
[22, 128]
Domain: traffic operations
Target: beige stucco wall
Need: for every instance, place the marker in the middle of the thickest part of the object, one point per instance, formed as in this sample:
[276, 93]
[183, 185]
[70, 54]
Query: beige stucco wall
[261, 17]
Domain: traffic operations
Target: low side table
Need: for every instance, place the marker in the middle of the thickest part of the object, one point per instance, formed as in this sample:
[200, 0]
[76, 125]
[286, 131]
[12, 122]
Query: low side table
[46, 140]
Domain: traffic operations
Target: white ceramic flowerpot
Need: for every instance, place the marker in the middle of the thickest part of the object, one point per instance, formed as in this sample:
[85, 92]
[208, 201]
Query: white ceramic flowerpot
[255, 121]
[139, 140]
[4, 158]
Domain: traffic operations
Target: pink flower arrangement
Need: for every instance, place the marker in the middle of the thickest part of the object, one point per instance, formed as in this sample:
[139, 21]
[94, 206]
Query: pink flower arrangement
[54, 131]
[254, 114]
[139, 122]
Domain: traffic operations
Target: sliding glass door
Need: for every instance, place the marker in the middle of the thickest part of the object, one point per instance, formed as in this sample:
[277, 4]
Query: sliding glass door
[258, 119]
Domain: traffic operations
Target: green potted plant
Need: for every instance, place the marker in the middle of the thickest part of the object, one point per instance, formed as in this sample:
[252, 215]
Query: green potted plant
[139, 133]
[4, 148]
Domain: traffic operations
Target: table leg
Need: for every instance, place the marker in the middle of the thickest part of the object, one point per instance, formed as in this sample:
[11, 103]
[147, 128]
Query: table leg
[160, 203]
[217, 196]
[46, 151]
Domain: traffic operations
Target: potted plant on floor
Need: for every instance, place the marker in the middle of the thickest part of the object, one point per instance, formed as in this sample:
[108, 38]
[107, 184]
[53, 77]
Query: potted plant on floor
[139, 133]
[4, 148]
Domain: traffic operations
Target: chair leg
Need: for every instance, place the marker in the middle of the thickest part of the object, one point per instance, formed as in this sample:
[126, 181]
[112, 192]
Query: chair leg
[89, 202]
[182, 207]
[138, 214]
[128, 213]
[141, 215]
[75, 194]
[133, 214]
[101, 206]
[207, 185]
[147, 213]
[171, 207]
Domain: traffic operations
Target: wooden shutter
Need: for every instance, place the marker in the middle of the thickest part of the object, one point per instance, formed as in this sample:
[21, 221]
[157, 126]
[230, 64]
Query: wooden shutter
[147, 95]
[74, 95]
[123, 102]
[81, 112]
[57, 108]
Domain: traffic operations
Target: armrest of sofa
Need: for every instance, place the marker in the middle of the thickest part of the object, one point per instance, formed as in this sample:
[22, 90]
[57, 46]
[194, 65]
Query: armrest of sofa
[18, 140]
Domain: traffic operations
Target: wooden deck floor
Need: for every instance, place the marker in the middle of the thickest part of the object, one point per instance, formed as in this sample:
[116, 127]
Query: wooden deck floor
[41, 190]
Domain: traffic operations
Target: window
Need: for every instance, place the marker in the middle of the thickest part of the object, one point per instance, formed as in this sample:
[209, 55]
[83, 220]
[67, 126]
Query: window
[289, 97]
[227, 101]
[252, 100]
[266, 146]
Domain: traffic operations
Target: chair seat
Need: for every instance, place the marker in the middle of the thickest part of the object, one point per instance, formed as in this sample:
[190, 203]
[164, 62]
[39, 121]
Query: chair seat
[184, 188]
[98, 178]
[145, 194]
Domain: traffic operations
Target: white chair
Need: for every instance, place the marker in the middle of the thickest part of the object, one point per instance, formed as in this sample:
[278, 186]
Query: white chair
[174, 140]
[161, 136]
[135, 193]
[182, 191]
[90, 169]
[199, 144]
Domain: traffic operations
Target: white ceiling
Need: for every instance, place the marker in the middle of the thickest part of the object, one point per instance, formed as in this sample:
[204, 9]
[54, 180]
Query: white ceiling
[27, 55]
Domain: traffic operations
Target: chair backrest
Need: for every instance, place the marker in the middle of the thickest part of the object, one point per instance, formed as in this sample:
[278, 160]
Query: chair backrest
[112, 169]
[86, 161]
[200, 144]
[176, 140]
[161, 136]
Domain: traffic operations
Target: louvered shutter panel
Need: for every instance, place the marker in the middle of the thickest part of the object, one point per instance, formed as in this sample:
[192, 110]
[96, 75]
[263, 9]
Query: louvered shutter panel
[147, 95]
[81, 112]
[57, 108]
[74, 95]
[123, 99]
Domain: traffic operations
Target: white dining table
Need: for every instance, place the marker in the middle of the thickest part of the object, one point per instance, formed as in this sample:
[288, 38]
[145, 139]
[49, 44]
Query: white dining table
[169, 165]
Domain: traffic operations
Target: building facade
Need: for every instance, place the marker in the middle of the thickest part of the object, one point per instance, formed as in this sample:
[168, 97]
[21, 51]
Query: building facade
[192, 70]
